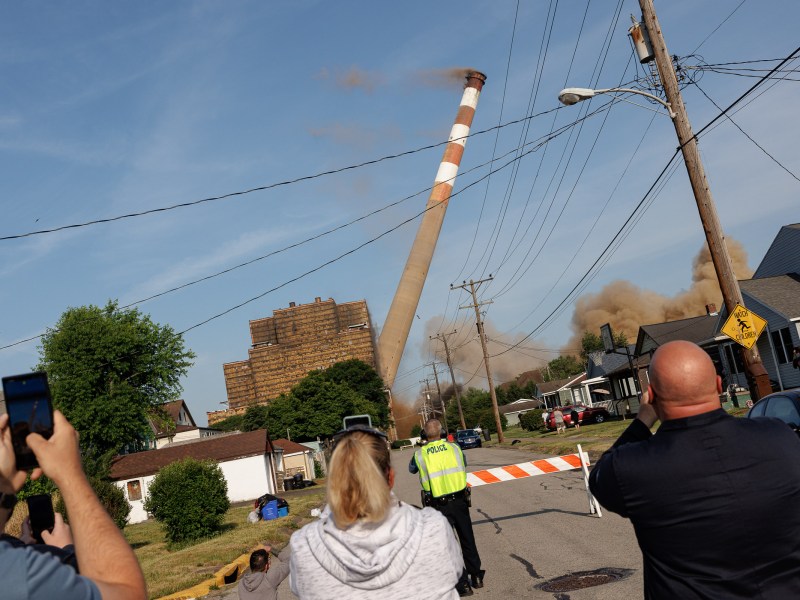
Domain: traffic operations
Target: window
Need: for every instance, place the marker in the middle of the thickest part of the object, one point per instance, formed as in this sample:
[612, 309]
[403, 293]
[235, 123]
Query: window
[782, 342]
[134, 490]
[782, 407]
[734, 359]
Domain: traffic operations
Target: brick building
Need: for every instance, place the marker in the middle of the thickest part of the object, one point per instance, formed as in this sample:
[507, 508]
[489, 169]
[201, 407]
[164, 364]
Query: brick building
[290, 344]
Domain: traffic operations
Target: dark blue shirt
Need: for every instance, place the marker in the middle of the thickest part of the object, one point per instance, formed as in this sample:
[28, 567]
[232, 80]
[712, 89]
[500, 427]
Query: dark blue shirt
[714, 501]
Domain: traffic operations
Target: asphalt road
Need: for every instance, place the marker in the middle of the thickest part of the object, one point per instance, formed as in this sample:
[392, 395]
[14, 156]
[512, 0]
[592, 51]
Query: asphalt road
[531, 531]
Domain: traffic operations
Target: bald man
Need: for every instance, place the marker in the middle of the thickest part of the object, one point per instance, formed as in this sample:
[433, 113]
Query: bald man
[714, 499]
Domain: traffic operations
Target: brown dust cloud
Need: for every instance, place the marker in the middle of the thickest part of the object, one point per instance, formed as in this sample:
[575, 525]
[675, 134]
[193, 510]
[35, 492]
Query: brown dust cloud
[621, 303]
[626, 306]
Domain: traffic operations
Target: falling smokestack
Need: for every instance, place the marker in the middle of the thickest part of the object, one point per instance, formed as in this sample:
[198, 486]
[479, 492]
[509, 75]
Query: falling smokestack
[395, 330]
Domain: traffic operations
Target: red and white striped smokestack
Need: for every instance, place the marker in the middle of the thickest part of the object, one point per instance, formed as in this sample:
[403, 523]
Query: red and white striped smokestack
[395, 330]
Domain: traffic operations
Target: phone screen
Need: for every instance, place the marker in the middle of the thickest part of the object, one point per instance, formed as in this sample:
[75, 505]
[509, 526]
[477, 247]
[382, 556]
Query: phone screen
[40, 511]
[30, 410]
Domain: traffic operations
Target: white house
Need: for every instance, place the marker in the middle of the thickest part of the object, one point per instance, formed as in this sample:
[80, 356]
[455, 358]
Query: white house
[514, 410]
[185, 428]
[248, 462]
[297, 458]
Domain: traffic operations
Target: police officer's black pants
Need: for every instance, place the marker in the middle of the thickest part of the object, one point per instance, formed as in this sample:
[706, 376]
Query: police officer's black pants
[457, 513]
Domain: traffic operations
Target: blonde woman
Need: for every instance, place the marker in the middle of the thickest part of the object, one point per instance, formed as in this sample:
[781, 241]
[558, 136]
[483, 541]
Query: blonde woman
[367, 544]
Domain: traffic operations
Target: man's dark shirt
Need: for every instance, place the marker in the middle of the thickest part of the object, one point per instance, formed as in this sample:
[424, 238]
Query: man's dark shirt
[714, 501]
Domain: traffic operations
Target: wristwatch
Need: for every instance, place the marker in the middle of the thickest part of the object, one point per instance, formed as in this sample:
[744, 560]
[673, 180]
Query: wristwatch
[8, 501]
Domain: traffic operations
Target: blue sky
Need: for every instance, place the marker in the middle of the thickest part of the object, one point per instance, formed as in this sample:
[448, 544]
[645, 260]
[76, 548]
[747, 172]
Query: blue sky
[113, 108]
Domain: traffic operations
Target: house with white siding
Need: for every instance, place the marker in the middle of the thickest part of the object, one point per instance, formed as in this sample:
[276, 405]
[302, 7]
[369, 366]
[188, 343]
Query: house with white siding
[248, 461]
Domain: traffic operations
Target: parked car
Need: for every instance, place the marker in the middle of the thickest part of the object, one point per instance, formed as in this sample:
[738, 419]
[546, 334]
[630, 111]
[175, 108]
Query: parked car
[468, 438]
[783, 405]
[586, 415]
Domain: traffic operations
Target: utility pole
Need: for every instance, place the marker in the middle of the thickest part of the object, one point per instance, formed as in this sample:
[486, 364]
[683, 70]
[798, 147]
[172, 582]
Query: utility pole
[428, 401]
[443, 338]
[482, 334]
[757, 377]
[439, 395]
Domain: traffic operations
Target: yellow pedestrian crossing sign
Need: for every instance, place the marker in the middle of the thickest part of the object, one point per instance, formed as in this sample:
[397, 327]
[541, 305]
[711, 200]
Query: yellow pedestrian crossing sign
[744, 326]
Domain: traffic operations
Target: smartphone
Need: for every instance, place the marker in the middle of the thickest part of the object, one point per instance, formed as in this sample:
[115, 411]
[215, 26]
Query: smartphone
[40, 512]
[30, 410]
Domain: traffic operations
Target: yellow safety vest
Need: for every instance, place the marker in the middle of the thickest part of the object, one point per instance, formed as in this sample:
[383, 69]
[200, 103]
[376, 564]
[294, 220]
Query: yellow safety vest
[441, 468]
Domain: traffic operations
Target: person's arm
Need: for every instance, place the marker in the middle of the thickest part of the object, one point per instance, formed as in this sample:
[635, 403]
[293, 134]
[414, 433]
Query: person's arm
[104, 555]
[603, 478]
[279, 567]
[412, 465]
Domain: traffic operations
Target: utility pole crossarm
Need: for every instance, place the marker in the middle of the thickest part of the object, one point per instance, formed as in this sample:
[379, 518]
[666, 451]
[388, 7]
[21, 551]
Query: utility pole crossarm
[443, 338]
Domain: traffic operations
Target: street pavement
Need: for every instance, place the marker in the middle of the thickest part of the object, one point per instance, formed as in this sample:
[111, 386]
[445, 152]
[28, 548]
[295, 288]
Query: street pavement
[530, 531]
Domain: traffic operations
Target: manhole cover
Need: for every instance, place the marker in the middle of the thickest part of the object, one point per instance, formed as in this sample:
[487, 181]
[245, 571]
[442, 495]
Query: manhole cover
[584, 579]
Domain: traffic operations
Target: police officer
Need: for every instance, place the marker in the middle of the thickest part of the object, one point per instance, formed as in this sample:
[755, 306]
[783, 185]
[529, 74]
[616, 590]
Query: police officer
[442, 472]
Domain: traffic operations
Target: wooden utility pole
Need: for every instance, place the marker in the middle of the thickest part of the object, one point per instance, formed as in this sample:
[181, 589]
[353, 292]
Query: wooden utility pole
[479, 323]
[443, 338]
[757, 377]
[439, 396]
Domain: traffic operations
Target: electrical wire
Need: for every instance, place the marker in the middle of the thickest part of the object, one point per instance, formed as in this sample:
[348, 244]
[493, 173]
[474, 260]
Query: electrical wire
[735, 124]
[268, 186]
[725, 20]
[744, 95]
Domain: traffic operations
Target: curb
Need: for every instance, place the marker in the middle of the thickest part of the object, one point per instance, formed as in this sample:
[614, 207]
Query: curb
[230, 573]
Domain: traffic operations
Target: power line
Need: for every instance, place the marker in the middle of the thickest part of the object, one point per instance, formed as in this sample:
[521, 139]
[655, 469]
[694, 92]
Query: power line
[735, 124]
[608, 246]
[268, 186]
[744, 95]
[725, 20]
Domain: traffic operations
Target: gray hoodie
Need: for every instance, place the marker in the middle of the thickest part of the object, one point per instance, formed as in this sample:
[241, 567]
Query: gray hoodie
[264, 585]
[413, 553]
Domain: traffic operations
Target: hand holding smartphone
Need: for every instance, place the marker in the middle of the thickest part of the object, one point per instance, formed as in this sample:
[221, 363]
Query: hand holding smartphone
[42, 517]
[30, 410]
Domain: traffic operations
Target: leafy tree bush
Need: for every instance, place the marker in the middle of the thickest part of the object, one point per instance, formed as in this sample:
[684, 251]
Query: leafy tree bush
[532, 420]
[416, 430]
[111, 496]
[108, 369]
[319, 472]
[189, 499]
[232, 423]
[486, 420]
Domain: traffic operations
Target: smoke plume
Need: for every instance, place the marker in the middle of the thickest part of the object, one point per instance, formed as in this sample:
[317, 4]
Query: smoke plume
[443, 78]
[352, 79]
[466, 354]
[627, 306]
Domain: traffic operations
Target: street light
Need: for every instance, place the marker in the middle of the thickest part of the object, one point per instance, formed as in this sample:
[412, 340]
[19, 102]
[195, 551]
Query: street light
[570, 96]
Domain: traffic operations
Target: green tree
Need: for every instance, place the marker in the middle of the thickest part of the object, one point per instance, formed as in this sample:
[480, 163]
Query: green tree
[532, 420]
[591, 342]
[477, 407]
[108, 369]
[189, 499]
[563, 367]
[232, 423]
[416, 430]
[365, 381]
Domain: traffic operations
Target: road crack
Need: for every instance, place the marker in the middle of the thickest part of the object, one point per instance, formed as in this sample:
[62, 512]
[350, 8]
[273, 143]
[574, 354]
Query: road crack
[497, 527]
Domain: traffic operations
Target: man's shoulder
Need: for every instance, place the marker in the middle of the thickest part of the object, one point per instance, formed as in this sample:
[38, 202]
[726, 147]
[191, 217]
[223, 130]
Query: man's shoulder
[42, 575]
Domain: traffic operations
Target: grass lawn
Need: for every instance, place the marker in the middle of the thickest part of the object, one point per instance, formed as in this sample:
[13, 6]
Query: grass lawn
[168, 571]
[594, 439]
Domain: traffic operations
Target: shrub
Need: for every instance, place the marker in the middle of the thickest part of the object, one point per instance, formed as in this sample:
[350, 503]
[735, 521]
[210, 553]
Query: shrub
[532, 420]
[319, 472]
[189, 499]
[401, 444]
[112, 498]
[486, 419]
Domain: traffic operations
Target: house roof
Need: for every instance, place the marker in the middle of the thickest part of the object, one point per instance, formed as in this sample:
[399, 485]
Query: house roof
[782, 256]
[552, 386]
[519, 406]
[290, 447]
[601, 364]
[693, 329]
[220, 448]
[173, 411]
[781, 293]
